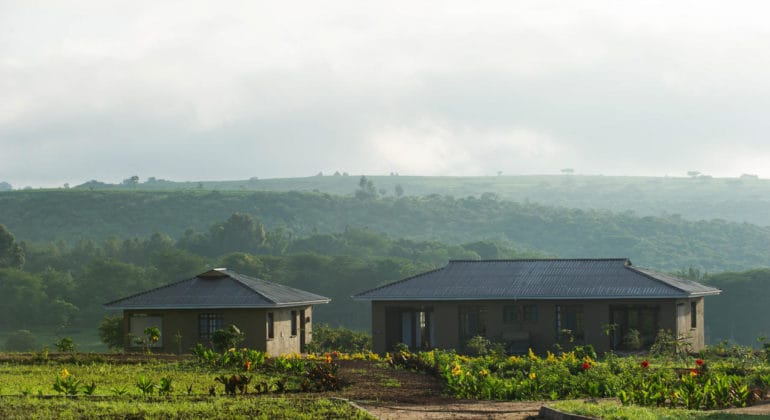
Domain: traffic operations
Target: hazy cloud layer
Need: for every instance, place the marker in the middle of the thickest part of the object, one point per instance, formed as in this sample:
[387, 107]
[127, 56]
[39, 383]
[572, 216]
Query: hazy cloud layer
[223, 90]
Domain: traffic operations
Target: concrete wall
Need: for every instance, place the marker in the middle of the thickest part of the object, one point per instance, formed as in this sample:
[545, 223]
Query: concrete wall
[539, 333]
[252, 322]
[684, 329]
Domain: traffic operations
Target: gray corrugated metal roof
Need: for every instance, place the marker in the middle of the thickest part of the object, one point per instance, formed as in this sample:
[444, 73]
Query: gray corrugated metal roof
[218, 288]
[609, 278]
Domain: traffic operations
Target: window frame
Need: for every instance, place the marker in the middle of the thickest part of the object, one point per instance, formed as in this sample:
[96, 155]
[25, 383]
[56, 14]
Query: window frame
[693, 315]
[294, 323]
[208, 323]
[270, 325]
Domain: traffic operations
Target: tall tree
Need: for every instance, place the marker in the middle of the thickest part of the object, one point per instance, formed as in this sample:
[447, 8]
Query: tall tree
[240, 233]
[11, 253]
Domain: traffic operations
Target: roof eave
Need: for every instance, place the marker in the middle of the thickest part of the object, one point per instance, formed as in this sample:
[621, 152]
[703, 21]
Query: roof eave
[461, 298]
[228, 306]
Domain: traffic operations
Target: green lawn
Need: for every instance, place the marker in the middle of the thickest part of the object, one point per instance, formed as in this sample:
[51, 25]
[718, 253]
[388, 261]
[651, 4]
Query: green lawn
[610, 410]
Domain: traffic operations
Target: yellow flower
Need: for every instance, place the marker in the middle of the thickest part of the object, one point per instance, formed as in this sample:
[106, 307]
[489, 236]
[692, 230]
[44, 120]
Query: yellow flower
[532, 376]
[484, 372]
[514, 359]
[532, 356]
[232, 350]
[64, 373]
[551, 357]
[456, 370]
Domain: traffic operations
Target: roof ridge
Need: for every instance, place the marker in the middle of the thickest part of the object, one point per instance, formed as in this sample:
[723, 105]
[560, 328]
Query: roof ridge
[540, 259]
[399, 281]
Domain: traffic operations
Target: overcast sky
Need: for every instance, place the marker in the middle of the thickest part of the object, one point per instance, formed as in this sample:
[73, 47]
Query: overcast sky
[230, 90]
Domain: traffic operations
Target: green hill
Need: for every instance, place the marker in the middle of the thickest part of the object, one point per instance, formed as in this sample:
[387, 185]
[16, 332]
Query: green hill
[664, 243]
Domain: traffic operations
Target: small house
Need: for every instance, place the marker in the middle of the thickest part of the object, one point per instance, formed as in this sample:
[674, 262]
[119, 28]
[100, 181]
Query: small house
[273, 317]
[537, 303]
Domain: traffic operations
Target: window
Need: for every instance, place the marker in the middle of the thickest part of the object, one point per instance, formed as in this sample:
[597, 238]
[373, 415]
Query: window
[293, 323]
[472, 322]
[270, 325]
[207, 324]
[515, 313]
[569, 321]
[530, 313]
[510, 314]
[642, 318]
[139, 322]
[693, 314]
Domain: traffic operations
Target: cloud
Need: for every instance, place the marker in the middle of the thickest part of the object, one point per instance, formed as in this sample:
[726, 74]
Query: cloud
[97, 90]
[432, 148]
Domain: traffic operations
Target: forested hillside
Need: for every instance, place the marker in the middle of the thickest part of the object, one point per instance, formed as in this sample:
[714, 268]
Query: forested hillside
[663, 243]
[57, 285]
[701, 197]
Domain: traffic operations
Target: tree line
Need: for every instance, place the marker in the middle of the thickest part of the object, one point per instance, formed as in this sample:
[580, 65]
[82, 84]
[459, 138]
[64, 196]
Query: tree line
[665, 242]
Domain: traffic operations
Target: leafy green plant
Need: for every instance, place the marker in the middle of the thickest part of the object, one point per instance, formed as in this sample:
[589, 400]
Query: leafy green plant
[119, 390]
[66, 384]
[89, 389]
[322, 376]
[164, 387]
[145, 385]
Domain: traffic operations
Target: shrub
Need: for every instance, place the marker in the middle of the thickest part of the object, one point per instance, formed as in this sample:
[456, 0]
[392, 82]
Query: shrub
[21, 340]
[227, 338]
[482, 346]
[65, 345]
[633, 339]
[665, 343]
[327, 339]
[111, 332]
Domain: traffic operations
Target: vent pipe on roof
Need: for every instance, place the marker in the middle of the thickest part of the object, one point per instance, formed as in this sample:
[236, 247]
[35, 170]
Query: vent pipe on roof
[215, 273]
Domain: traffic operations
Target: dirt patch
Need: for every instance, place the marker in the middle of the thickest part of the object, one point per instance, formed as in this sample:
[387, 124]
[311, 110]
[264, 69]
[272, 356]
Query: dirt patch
[389, 393]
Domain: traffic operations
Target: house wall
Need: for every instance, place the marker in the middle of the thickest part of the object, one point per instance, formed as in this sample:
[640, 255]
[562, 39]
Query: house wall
[684, 329]
[540, 333]
[252, 322]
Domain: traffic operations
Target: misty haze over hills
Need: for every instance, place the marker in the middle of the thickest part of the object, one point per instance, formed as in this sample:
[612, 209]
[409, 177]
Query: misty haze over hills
[699, 197]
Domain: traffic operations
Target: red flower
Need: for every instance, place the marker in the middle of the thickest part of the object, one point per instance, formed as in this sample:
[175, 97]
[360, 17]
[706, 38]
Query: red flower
[693, 372]
[586, 366]
[645, 364]
[699, 362]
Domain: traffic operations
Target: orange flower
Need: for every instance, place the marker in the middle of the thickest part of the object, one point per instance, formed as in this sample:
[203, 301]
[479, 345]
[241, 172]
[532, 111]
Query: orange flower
[693, 372]
[328, 358]
[247, 365]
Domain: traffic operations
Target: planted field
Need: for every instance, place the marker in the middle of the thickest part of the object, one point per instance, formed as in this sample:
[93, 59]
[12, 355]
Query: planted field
[250, 384]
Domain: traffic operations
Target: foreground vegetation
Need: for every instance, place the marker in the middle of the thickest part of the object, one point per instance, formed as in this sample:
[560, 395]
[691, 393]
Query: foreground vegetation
[234, 383]
[694, 383]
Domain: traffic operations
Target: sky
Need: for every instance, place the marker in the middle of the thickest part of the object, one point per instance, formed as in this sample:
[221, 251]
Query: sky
[190, 90]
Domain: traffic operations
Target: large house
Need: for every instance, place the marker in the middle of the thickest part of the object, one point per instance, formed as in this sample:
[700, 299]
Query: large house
[273, 317]
[536, 304]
